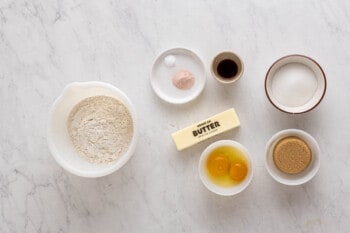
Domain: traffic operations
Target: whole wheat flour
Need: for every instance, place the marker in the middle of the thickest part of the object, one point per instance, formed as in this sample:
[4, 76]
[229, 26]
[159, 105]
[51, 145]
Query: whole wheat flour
[101, 129]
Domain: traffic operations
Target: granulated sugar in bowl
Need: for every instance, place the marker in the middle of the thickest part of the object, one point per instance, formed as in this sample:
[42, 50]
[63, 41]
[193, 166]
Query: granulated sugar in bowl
[92, 129]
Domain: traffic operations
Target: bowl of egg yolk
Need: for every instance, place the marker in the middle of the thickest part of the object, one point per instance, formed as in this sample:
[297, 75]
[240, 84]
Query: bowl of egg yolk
[225, 167]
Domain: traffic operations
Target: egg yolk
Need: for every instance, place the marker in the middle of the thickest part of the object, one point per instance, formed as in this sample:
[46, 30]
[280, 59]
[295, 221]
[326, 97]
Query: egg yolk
[218, 165]
[238, 171]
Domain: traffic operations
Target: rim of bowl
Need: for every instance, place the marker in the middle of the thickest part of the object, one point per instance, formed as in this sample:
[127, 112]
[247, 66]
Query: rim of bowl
[118, 163]
[218, 189]
[303, 56]
[302, 134]
[201, 63]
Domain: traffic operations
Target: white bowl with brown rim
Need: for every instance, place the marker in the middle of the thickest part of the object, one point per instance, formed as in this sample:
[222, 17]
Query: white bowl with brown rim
[295, 84]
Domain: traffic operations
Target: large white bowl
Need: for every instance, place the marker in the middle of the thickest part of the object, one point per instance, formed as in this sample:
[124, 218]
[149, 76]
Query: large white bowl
[293, 179]
[224, 191]
[58, 138]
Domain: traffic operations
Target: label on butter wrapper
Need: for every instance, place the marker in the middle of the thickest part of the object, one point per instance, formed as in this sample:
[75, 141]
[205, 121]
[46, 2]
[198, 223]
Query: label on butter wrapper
[205, 129]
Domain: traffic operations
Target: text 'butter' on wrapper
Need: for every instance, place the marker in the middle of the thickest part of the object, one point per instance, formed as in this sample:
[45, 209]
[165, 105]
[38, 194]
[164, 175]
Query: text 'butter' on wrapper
[205, 129]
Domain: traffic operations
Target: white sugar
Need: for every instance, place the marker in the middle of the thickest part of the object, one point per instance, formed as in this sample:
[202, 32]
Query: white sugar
[294, 85]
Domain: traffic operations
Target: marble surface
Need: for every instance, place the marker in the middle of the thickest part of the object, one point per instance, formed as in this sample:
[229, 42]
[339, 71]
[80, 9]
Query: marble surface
[46, 44]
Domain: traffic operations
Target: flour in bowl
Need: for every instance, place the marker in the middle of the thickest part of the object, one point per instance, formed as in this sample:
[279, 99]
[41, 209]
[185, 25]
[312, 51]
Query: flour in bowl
[100, 128]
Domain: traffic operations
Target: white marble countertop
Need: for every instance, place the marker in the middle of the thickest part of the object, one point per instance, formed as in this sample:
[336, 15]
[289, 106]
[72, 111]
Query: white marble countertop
[46, 44]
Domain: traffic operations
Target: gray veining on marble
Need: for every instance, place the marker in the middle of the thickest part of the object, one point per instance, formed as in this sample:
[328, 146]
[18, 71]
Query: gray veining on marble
[46, 44]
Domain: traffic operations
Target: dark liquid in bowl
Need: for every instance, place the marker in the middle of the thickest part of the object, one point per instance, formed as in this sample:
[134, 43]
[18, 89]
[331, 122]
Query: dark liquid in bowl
[227, 68]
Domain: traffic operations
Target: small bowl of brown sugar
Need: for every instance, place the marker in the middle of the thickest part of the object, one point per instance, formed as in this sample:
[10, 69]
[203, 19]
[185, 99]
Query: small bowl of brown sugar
[292, 157]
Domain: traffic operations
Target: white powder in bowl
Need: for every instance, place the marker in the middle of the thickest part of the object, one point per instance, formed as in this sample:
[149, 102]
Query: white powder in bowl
[294, 85]
[100, 128]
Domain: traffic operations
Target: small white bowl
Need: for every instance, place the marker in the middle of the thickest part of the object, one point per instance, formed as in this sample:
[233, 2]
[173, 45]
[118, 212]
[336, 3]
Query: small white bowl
[209, 184]
[293, 179]
[295, 76]
[164, 68]
[227, 55]
[58, 138]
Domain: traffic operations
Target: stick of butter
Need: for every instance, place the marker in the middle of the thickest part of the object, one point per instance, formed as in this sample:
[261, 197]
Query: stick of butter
[205, 129]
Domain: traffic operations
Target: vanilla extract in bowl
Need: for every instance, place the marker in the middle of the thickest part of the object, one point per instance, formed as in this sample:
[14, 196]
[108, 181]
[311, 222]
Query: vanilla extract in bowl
[227, 68]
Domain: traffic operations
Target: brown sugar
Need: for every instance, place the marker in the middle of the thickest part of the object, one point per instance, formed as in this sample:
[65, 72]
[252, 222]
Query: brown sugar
[292, 155]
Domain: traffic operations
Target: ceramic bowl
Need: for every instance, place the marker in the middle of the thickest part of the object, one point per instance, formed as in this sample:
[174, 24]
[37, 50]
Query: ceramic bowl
[227, 56]
[297, 92]
[58, 138]
[165, 67]
[209, 184]
[293, 179]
